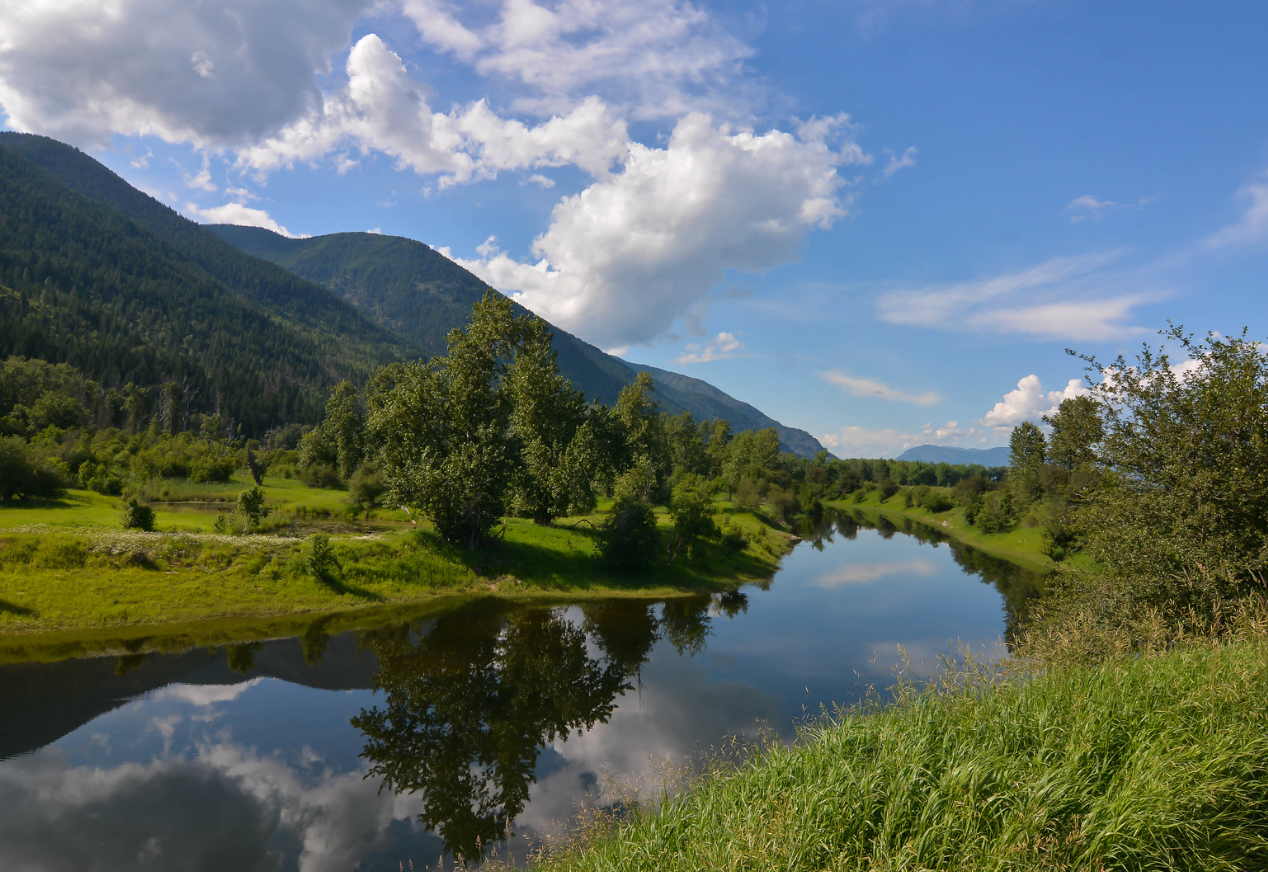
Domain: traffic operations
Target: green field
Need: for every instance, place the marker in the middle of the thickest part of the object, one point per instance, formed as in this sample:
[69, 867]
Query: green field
[72, 580]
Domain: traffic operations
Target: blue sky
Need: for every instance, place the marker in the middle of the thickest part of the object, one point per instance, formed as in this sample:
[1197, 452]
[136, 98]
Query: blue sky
[880, 221]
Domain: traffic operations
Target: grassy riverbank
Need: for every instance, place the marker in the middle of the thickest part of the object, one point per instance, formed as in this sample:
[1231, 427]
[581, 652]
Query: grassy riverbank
[70, 575]
[1023, 546]
[1149, 763]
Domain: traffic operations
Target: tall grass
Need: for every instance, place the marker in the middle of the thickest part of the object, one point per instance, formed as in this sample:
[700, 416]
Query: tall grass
[1154, 762]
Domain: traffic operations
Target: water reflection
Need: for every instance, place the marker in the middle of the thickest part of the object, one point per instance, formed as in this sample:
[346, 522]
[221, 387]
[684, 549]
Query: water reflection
[469, 706]
[368, 750]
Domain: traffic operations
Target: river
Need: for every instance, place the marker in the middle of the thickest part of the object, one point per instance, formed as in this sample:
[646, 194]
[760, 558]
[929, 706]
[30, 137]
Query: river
[439, 737]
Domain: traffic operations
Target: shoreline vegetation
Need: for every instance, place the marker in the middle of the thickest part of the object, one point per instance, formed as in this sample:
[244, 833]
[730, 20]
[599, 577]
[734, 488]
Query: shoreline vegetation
[71, 585]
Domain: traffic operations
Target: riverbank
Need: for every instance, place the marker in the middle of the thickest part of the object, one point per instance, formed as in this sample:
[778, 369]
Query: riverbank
[1022, 546]
[1145, 763]
[65, 587]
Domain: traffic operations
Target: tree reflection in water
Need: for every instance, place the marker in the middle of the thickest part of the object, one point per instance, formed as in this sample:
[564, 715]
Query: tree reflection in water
[470, 703]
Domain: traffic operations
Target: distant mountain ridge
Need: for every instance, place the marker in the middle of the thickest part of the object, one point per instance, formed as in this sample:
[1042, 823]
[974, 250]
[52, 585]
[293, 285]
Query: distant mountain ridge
[418, 293]
[987, 457]
[143, 296]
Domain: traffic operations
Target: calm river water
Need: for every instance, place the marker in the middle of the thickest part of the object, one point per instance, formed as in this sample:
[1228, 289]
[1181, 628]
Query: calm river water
[424, 740]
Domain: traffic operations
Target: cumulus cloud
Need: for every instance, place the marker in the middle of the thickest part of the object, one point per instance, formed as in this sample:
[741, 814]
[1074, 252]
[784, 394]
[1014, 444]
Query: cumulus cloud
[720, 347]
[867, 387]
[659, 58]
[236, 213]
[384, 109]
[218, 75]
[1029, 402]
[1063, 298]
[631, 253]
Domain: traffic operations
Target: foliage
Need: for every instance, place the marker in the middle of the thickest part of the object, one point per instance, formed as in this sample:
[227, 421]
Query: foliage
[20, 477]
[691, 508]
[442, 427]
[628, 538]
[320, 560]
[138, 516]
[251, 508]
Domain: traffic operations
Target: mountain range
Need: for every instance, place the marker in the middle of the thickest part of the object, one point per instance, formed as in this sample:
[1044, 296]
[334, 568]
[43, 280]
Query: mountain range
[98, 274]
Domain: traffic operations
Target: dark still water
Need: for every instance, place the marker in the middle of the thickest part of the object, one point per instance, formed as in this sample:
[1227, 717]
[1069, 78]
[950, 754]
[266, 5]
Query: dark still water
[412, 742]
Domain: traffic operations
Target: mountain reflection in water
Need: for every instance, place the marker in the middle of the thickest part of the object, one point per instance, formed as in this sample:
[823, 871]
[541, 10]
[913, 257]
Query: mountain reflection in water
[437, 736]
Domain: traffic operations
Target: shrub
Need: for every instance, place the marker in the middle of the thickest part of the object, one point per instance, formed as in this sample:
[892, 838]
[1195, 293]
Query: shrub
[936, 503]
[320, 561]
[733, 540]
[628, 538]
[321, 475]
[887, 488]
[138, 516]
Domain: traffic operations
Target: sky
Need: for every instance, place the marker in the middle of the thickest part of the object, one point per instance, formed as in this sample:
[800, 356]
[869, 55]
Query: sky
[882, 222]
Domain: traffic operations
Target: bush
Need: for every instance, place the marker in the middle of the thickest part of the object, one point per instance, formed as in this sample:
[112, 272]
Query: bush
[887, 488]
[733, 540]
[936, 503]
[138, 516]
[320, 561]
[321, 475]
[628, 538]
[252, 509]
[20, 477]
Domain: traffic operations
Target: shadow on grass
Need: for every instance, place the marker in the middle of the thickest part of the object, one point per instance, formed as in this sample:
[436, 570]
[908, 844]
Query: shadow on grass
[15, 609]
[571, 563]
[37, 503]
[339, 586]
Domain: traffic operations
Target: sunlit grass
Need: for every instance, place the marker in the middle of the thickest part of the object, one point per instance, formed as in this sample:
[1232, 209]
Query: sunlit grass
[1141, 763]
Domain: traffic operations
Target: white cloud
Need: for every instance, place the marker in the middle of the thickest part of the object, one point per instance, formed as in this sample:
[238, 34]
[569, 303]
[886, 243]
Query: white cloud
[541, 181]
[630, 254]
[866, 573]
[891, 442]
[659, 58]
[1029, 402]
[867, 387]
[896, 163]
[236, 213]
[215, 75]
[1085, 207]
[1253, 226]
[384, 109]
[1063, 298]
[721, 347]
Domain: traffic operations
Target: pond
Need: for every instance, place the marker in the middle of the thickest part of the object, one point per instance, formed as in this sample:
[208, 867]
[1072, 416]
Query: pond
[442, 737]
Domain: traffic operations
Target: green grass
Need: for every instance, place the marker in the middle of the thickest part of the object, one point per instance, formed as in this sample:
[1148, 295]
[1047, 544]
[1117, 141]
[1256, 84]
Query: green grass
[1139, 764]
[1022, 546]
[69, 575]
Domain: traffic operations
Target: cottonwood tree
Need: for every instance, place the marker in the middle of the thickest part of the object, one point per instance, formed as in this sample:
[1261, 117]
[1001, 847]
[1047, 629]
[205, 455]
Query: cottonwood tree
[442, 427]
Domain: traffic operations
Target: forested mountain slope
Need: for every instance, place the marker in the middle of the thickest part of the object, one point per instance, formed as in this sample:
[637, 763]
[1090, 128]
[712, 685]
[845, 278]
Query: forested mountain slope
[410, 288]
[84, 284]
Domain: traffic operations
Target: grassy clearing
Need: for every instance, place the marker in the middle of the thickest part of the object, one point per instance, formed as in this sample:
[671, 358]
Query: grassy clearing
[77, 586]
[1023, 546]
[1142, 763]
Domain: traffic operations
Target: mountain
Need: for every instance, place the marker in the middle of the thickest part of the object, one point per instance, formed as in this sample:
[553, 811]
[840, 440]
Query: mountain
[987, 457]
[413, 290]
[98, 275]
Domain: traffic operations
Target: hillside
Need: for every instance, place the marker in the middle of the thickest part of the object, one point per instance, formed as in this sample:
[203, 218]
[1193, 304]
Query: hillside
[421, 295]
[987, 457]
[82, 283]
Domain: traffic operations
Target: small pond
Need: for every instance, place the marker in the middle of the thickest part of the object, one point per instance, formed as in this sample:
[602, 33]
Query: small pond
[423, 740]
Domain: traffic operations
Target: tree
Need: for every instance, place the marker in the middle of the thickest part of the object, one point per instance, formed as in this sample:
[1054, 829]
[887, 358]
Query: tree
[1026, 449]
[344, 427]
[442, 427]
[628, 538]
[644, 427]
[691, 508]
[546, 414]
[252, 509]
[1179, 517]
[1077, 430]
